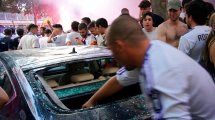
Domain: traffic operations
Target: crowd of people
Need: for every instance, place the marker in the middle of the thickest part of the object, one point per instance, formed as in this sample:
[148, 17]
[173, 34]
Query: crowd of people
[173, 60]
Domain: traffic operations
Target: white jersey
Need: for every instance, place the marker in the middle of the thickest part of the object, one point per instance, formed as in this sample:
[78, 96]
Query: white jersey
[151, 35]
[59, 40]
[194, 41]
[90, 38]
[186, 89]
[72, 37]
[100, 40]
[44, 44]
[29, 41]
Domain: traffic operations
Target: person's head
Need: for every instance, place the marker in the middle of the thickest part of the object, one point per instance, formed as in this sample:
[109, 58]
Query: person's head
[82, 29]
[86, 20]
[145, 6]
[58, 29]
[125, 11]
[92, 28]
[13, 30]
[174, 8]
[47, 32]
[20, 32]
[148, 21]
[185, 2]
[42, 30]
[124, 39]
[32, 28]
[7, 32]
[74, 26]
[101, 25]
[196, 13]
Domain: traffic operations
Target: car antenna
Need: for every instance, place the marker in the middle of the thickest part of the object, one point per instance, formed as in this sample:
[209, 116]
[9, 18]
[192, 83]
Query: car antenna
[73, 51]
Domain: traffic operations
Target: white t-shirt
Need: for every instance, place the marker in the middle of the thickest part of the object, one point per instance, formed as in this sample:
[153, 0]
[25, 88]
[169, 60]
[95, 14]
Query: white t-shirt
[29, 41]
[194, 41]
[151, 35]
[186, 89]
[59, 40]
[90, 38]
[44, 44]
[72, 37]
[100, 40]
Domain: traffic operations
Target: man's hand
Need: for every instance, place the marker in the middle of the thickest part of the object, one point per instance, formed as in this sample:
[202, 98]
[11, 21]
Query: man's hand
[88, 104]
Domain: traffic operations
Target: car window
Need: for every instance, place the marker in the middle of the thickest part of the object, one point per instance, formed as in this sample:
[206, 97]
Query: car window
[5, 81]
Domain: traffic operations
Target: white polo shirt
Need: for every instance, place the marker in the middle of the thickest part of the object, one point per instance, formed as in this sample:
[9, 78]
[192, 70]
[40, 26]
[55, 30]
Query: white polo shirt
[72, 37]
[186, 89]
[29, 41]
[193, 42]
[59, 40]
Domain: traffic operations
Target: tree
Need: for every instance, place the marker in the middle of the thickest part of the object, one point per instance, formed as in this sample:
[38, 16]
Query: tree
[36, 7]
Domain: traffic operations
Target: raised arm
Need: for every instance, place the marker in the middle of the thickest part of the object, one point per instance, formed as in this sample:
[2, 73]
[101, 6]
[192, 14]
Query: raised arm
[109, 88]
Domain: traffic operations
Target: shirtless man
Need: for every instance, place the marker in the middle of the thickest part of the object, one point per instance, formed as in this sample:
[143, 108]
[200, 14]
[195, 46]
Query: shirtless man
[171, 30]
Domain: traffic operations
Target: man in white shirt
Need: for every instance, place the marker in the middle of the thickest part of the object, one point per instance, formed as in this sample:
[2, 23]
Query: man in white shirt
[58, 37]
[176, 86]
[43, 40]
[101, 25]
[87, 38]
[193, 42]
[29, 40]
[73, 35]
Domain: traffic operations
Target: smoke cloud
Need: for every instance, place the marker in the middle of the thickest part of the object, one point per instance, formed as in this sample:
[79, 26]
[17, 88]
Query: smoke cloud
[70, 10]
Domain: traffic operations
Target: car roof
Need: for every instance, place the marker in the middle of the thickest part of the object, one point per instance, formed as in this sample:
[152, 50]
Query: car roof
[34, 58]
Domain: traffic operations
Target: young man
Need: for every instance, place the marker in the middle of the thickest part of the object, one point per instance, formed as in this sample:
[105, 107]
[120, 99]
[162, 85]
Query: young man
[171, 30]
[145, 6]
[6, 43]
[20, 33]
[176, 85]
[87, 38]
[194, 41]
[73, 35]
[58, 36]
[29, 40]
[101, 25]
[43, 40]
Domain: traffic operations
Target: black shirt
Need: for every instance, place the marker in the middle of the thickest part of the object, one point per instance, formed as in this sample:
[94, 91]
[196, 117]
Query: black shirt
[6, 43]
[157, 20]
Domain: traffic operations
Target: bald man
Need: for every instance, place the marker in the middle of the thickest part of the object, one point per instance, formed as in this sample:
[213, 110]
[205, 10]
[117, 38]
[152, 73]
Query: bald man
[175, 84]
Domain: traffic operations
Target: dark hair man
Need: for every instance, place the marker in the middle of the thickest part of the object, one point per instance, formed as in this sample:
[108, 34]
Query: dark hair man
[175, 84]
[73, 35]
[20, 33]
[6, 42]
[193, 42]
[58, 36]
[86, 20]
[101, 25]
[145, 6]
[87, 38]
[29, 40]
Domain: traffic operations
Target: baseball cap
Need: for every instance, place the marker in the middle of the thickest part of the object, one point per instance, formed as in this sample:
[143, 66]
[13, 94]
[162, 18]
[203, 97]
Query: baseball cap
[174, 4]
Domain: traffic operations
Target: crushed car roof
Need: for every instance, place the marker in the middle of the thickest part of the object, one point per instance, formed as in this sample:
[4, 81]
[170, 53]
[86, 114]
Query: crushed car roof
[33, 58]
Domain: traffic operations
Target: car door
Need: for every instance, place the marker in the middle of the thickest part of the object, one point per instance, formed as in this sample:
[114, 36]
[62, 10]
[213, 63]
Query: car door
[12, 106]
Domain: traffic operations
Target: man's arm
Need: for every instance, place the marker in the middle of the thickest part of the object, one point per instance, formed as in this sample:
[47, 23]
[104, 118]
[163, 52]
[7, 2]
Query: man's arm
[109, 88]
[161, 33]
[3, 97]
[184, 45]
